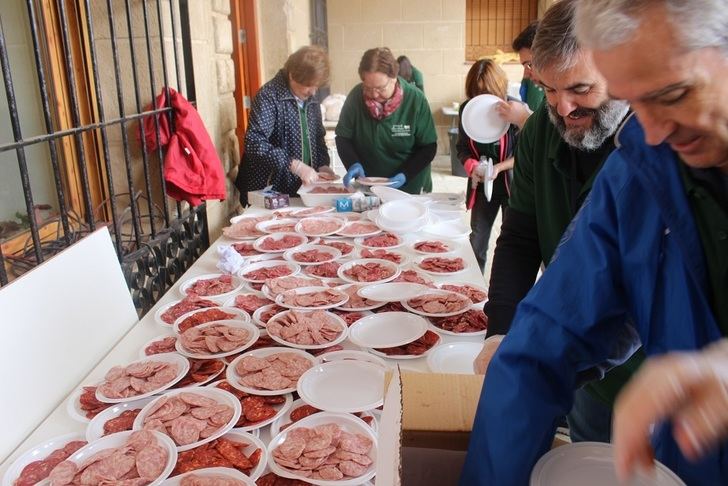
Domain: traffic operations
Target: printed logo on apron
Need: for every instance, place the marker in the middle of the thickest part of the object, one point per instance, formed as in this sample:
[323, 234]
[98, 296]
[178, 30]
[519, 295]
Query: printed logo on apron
[400, 130]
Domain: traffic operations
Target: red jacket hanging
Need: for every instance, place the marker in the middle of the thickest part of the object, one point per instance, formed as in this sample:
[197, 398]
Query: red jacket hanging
[192, 169]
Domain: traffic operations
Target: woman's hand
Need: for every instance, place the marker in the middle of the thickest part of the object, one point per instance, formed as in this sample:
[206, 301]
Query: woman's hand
[502, 167]
[307, 174]
[513, 112]
[490, 346]
[354, 172]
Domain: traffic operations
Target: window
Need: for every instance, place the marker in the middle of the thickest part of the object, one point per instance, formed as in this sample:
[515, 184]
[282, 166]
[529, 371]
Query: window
[493, 24]
[78, 77]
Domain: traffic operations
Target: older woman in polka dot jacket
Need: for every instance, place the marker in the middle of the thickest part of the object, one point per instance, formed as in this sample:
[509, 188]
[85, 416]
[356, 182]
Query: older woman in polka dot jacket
[284, 144]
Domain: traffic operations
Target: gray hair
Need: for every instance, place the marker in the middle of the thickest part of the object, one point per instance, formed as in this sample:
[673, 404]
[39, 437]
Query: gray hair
[604, 24]
[555, 44]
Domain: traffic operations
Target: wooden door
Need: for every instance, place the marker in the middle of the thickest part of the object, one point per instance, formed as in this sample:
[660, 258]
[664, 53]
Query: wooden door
[245, 57]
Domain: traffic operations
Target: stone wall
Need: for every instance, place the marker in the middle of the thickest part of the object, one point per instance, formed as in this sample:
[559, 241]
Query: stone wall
[212, 47]
[430, 32]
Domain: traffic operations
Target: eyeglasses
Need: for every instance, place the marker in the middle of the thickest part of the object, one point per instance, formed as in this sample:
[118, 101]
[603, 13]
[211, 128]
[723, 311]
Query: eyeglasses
[527, 65]
[377, 89]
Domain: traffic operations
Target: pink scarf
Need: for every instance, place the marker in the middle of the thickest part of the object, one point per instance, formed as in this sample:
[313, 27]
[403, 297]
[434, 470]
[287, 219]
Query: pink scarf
[378, 110]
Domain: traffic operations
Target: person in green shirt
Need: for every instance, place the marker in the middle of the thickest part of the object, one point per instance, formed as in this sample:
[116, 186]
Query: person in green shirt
[531, 93]
[410, 73]
[561, 148]
[386, 128]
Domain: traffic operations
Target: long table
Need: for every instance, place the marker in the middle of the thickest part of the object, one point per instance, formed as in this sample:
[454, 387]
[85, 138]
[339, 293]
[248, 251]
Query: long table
[127, 349]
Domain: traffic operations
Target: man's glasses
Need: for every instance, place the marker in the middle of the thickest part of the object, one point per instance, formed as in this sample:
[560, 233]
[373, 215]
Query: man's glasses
[527, 65]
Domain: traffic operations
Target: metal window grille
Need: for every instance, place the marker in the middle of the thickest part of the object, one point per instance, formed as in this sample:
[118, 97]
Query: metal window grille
[156, 239]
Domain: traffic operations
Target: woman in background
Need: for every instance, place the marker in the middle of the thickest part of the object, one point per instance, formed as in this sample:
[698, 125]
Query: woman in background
[386, 127]
[284, 143]
[410, 73]
[486, 77]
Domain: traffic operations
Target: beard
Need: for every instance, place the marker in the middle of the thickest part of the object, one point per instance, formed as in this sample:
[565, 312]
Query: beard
[605, 121]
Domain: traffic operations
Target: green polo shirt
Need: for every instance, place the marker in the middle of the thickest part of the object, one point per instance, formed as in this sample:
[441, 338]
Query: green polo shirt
[545, 187]
[712, 222]
[384, 145]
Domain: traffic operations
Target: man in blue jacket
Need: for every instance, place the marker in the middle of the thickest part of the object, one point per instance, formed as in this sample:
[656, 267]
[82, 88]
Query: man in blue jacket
[646, 258]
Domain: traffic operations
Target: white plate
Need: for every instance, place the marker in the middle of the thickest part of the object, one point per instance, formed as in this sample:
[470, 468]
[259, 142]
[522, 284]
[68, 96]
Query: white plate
[240, 315]
[309, 290]
[307, 281]
[260, 311]
[237, 284]
[361, 241]
[253, 335]
[280, 408]
[387, 330]
[405, 304]
[447, 229]
[345, 308]
[406, 356]
[351, 354]
[238, 219]
[73, 405]
[234, 378]
[231, 301]
[339, 240]
[143, 354]
[454, 358]
[462, 284]
[207, 380]
[339, 339]
[294, 267]
[316, 210]
[158, 313]
[392, 291]
[119, 439]
[402, 210]
[302, 240]
[183, 366]
[37, 453]
[449, 244]
[361, 261]
[220, 396]
[402, 228]
[481, 121]
[374, 181]
[95, 428]
[290, 255]
[347, 422]
[387, 194]
[344, 386]
[254, 443]
[445, 332]
[591, 463]
[266, 226]
[275, 427]
[340, 223]
[345, 231]
[434, 273]
[226, 472]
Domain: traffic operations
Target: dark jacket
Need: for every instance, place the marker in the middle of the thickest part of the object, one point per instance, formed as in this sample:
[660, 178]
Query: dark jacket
[274, 139]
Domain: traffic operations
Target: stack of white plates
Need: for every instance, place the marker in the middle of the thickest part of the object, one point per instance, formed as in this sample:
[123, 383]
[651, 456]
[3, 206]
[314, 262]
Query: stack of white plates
[402, 216]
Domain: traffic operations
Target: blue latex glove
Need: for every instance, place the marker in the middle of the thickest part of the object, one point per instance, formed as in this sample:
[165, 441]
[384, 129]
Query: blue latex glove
[398, 180]
[354, 171]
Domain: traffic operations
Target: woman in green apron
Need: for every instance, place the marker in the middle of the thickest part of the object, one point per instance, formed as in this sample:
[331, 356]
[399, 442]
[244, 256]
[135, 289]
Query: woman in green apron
[386, 127]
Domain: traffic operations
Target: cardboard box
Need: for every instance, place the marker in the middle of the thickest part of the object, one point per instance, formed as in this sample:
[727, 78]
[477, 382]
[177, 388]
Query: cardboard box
[268, 199]
[425, 428]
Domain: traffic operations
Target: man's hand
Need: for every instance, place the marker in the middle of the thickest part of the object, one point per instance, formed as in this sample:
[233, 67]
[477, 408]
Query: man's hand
[691, 389]
[307, 174]
[480, 365]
